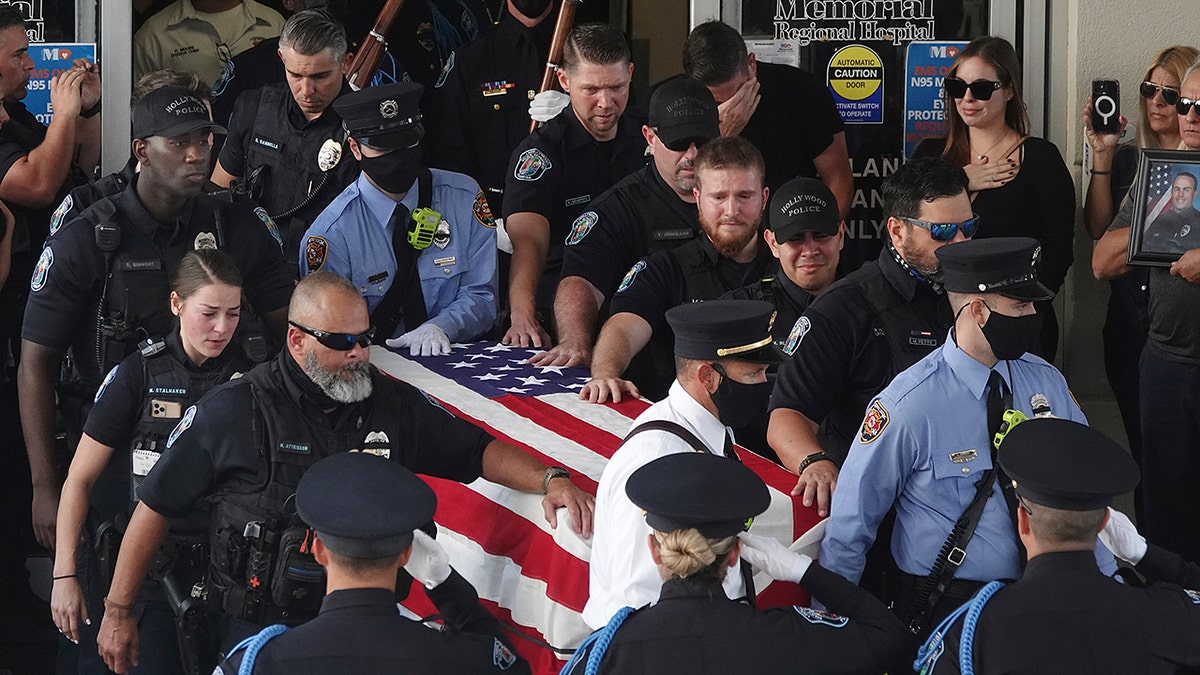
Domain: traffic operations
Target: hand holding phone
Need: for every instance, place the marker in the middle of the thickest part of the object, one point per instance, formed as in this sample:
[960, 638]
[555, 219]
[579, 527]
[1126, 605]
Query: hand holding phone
[1106, 106]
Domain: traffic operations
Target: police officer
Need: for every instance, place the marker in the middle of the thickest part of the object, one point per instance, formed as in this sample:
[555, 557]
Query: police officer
[419, 243]
[1153, 562]
[731, 198]
[561, 167]
[286, 144]
[652, 209]
[101, 283]
[319, 397]
[805, 235]
[698, 509]
[1063, 615]
[868, 327]
[478, 109]
[925, 444]
[364, 512]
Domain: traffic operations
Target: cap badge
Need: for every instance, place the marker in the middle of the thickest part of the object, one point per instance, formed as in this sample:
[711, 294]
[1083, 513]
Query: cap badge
[1037, 255]
[389, 109]
[329, 155]
[205, 240]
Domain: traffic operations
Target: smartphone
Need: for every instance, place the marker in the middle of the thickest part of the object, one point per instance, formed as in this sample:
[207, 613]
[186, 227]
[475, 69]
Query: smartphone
[1106, 106]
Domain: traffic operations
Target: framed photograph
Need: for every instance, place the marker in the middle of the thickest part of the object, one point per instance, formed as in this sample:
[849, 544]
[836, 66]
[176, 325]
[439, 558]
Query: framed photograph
[1166, 222]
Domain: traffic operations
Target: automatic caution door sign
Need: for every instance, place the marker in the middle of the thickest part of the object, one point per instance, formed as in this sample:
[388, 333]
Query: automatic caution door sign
[855, 78]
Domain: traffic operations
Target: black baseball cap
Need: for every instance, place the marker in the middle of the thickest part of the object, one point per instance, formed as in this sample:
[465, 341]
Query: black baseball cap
[715, 495]
[1066, 465]
[1003, 265]
[725, 329]
[804, 205]
[387, 117]
[170, 112]
[682, 112]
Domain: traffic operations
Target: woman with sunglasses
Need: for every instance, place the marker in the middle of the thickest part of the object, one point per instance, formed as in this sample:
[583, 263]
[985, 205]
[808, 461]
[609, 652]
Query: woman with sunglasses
[1019, 184]
[139, 404]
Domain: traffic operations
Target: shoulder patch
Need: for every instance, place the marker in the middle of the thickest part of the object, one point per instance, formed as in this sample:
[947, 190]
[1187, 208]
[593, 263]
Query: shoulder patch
[38, 282]
[629, 276]
[223, 79]
[582, 225]
[874, 423]
[315, 249]
[183, 425]
[824, 618]
[1194, 595]
[112, 374]
[445, 71]
[531, 165]
[799, 330]
[483, 212]
[502, 657]
[56, 220]
[271, 227]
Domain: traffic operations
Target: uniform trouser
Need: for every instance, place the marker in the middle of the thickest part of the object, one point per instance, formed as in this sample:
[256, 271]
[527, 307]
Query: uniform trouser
[1170, 404]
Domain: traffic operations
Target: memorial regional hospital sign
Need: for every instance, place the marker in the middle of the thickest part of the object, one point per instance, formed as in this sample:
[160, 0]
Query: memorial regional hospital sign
[895, 21]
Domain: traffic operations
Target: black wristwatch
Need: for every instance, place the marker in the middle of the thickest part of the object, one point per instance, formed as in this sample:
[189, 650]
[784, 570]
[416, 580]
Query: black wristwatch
[92, 111]
[815, 457]
[553, 472]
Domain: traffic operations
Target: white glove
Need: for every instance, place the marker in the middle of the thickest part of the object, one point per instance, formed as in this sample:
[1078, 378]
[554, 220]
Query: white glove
[1122, 538]
[772, 557]
[547, 104]
[425, 340]
[428, 562]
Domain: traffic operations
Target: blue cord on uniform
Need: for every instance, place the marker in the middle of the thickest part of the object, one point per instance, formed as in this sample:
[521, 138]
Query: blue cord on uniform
[966, 644]
[255, 644]
[600, 641]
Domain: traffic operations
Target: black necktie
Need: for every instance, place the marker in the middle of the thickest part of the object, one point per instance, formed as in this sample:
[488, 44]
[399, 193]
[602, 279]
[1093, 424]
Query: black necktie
[999, 400]
[412, 309]
[728, 449]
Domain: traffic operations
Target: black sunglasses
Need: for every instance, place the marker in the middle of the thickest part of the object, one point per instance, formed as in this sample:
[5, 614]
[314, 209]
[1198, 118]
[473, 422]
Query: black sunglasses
[946, 231]
[1170, 95]
[980, 89]
[342, 342]
[1183, 105]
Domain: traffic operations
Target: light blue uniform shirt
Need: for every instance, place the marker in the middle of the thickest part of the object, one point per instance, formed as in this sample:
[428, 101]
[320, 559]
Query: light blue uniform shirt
[928, 447]
[353, 238]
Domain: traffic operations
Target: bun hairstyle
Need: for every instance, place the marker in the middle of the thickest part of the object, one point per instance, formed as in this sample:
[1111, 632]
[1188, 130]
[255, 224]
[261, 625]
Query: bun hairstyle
[687, 554]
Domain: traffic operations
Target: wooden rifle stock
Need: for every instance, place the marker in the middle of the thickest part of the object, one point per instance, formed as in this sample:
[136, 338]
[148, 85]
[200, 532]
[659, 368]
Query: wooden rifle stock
[370, 51]
[566, 18]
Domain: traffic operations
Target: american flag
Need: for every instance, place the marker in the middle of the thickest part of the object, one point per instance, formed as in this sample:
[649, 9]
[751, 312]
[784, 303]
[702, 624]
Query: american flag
[1158, 192]
[532, 577]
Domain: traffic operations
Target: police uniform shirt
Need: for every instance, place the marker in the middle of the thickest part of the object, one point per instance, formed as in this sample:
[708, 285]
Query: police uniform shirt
[842, 356]
[1173, 232]
[18, 137]
[621, 572]
[637, 216]
[184, 39]
[359, 631]
[423, 35]
[790, 303]
[559, 169]
[922, 446]
[69, 279]
[1064, 616]
[254, 68]
[268, 129]
[478, 110]
[353, 238]
[216, 448]
[83, 196]
[788, 95]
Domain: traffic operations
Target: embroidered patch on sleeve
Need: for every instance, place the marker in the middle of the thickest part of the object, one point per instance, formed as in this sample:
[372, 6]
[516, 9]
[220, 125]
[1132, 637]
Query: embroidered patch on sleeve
[531, 165]
[483, 212]
[582, 225]
[315, 250]
[629, 276]
[874, 423]
[824, 618]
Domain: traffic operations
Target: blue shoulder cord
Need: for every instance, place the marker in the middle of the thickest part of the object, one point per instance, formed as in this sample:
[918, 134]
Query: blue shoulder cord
[600, 641]
[966, 642]
[253, 645]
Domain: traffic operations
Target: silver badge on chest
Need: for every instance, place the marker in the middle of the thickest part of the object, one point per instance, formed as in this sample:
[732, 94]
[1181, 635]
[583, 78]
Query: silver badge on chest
[329, 155]
[441, 237]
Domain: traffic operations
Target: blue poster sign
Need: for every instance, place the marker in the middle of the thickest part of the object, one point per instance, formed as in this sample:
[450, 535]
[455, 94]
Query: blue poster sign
[49, 60]
[924, 108]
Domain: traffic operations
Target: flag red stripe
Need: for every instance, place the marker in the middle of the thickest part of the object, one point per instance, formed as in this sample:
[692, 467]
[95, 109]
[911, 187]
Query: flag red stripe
[549, 417]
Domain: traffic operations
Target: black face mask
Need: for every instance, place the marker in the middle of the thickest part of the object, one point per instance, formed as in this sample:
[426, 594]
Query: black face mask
[531, 8]
[394, 171]
[1012, 336]
[739, 404]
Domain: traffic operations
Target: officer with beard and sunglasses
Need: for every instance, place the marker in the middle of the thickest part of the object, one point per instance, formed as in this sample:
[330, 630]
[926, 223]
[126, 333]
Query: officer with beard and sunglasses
[926, 444]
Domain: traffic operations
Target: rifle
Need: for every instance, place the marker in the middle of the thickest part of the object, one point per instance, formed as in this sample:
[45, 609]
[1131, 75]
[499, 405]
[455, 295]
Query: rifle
[566, 18]
[370, 52]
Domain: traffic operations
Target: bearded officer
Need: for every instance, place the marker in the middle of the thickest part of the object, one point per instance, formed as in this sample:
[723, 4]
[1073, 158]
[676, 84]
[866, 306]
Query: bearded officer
[320, 396]
[418, 243]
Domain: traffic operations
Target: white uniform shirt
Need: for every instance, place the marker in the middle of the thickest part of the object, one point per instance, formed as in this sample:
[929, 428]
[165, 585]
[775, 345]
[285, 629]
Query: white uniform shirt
[621, 570]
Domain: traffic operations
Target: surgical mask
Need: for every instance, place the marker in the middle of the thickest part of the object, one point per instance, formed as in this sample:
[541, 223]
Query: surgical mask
[531, 8]
[394, 171]
[739, 404]
[1012, 336]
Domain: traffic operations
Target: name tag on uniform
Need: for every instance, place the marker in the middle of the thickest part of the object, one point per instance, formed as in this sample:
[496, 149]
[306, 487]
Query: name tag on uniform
[377, 278]
[144, 460]
[575, 201]
[266, 142]
[139, 265]
[670, 235]
[444, 262]
[165, 410]
[922, 338]
[963, 456]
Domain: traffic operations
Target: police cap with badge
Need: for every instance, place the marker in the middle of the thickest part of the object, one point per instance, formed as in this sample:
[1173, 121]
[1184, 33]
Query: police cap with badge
[363, 506]
[803, 205]
[725, 329]
[1066, 465]
[171, 112]
[682, 112]
[387, 117]
[1003, 265]
[717, 497]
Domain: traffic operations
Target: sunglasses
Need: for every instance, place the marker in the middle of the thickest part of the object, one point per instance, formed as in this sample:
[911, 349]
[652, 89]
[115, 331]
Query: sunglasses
[1183, 105]
[946, 231]
[1170, 95]
[980, 89]
[342, 342]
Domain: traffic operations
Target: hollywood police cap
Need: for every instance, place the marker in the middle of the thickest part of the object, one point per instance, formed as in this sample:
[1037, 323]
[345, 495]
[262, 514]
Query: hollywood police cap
[386, 117]
[170, 112]
[362, 505]
[725, 329]
[682, 112]
[1066, 465]
[803, 205]
[1003, 265]
[717, 496]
